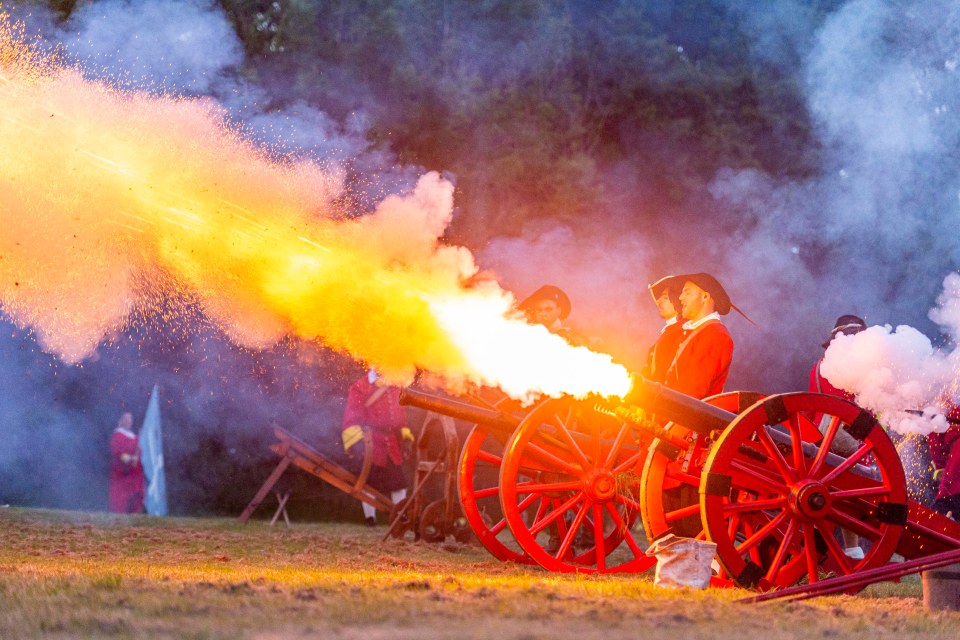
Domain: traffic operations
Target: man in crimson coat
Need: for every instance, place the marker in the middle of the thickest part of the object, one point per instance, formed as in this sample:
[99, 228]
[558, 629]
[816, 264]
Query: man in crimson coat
[702, 361]
[374, 407]
[843, 443]
[847, 325]
[126, 474]
[665, 292]
[945, 452]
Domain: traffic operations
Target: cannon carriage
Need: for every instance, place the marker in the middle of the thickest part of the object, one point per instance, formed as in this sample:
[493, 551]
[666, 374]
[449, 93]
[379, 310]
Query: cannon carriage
[563, 484]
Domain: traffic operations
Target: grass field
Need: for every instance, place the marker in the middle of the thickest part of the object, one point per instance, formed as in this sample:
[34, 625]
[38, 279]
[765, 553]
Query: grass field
[92, 575]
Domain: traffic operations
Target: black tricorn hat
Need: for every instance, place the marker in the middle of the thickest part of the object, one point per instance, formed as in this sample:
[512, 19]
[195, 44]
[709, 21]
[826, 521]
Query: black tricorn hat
[721, 299]
[548, 292]
[847, 325]
[673, 283]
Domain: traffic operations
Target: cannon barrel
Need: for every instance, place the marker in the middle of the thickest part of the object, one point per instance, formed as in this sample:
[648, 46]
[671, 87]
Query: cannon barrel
[653, 398]
[673, 406]
[459, 410]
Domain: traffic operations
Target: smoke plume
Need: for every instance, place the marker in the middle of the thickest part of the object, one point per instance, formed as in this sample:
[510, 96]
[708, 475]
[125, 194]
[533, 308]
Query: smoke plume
[96, 292]
[893, 371]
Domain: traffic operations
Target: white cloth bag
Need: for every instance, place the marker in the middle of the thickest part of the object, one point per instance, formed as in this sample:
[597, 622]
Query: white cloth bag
[682, 562]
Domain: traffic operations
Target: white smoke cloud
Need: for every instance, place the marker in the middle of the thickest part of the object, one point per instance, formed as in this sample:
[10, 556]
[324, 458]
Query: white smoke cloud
[893, 371]
[183, 46]
[947, 312]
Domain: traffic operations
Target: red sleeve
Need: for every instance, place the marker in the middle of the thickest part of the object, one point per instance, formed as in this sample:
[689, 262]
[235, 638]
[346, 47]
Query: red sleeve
[941, 444]
[825, 386]
[661, 353]
[938, 449]
[814, 374]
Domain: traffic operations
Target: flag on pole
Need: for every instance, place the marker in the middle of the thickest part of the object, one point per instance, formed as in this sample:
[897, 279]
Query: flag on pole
[151, 455]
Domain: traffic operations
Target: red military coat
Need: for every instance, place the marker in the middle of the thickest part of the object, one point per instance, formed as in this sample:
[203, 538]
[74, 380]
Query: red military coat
[661, 353]
[702, 362]
[382, 415]
[945, 452]
[821, 385]
[126, 474]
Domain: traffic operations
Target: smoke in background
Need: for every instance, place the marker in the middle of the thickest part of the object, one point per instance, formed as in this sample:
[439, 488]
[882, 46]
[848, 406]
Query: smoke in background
[117, 203]
[874, 233]
[870, 234]
[218, 397]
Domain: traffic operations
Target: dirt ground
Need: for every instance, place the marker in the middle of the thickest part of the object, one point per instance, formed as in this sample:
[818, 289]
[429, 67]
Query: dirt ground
[87, 575]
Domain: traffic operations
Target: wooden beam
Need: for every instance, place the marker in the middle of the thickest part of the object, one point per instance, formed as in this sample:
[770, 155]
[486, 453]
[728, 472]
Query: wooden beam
[265, 489]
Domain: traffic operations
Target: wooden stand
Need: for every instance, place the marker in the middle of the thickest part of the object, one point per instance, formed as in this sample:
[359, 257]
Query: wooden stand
[281, 508]
[294, 451]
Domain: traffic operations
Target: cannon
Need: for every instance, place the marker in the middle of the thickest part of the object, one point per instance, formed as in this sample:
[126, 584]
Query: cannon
[563, 484]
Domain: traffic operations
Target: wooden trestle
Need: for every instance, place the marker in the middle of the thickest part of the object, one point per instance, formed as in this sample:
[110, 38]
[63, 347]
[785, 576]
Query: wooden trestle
[295, 451]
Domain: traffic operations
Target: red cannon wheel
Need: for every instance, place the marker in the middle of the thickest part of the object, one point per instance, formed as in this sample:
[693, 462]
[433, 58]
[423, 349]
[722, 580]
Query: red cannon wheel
[478, 483]
[669, 484]
[773, 502]
[571, 474]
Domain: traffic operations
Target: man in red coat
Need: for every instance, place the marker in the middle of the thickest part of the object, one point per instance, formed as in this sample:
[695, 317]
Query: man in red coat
[126, 474]
[702, 361]
[843, 443]
[665, 292]
[374, 407]
[945, 452]
[846, 325]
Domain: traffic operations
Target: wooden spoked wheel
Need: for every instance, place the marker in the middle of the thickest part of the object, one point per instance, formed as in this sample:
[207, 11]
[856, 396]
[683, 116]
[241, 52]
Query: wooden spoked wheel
[670, 482]
[401, 519]
[432, 526]
[773, 502]
[478, 484]
[569, 485]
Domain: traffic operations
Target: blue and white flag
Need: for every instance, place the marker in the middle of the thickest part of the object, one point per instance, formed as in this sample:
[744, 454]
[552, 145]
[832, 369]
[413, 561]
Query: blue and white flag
[151, 456]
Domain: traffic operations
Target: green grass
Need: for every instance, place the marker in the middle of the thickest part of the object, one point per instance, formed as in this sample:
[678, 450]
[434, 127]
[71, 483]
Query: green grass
[81, 575]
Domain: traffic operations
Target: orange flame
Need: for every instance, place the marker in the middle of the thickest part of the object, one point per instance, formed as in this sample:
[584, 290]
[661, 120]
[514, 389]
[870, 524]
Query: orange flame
[111, 200]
